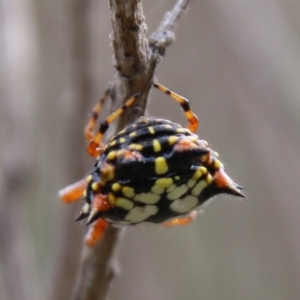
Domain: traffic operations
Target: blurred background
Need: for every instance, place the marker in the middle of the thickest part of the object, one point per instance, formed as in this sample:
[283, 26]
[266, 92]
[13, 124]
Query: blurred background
[239, 64]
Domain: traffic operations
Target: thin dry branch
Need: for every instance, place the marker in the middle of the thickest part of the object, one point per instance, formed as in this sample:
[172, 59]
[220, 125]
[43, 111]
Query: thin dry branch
[164, 35]
[129, 37]
[135, 62]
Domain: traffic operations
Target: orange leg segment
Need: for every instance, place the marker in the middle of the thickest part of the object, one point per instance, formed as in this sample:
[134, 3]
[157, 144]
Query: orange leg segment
[179, 221]
[95, 232]
[93, 146]
[73, 192]
[184, 103]
[88, 132]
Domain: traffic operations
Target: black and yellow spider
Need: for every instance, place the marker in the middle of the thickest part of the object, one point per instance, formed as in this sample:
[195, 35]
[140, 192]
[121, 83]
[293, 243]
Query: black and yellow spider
[154, 170]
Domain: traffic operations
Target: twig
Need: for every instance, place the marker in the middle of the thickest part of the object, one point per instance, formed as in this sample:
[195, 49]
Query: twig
[164, 35]
[98, 267]
[129, 37]
[135, 62]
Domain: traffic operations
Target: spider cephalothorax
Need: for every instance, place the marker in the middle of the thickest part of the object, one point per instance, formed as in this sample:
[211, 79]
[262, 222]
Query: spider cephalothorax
[152, 171]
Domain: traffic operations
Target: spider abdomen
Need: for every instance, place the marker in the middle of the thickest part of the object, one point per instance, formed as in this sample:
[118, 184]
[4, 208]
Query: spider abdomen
[153, 170]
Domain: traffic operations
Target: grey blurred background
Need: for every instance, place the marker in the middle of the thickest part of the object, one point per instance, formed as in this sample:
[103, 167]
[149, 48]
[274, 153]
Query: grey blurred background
[239, 64]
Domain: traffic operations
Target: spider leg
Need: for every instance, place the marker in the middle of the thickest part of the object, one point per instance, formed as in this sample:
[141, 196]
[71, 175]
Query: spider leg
[89, 128]
[73, 192]
[184, 103]
[95, 232]
[179, 221]
[93, 146]
[98, 224]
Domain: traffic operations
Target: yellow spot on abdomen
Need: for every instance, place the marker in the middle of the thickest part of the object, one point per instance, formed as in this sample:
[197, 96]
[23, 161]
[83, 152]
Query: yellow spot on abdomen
[164, 182]
[199, 187]
[199, 172]
[111, 199]
[193, 139]
[161, 165]
[113, 143]
[107, 172]
[161, 184]
[151, 129]
[217, 164]
[122, 131]
[124, 203]
[128, 191]
[180, 130]
[132, 134]
[209, 179]
[94, 186]
[138, 147]
[171, 188]
[111, 155]
[148, 198]
[85, 208]
[156, 189]
[116, 187]
[191, 183]
[156, 145]
[177, 192]
[207, 158]
[168, 126]
[184, 205]
[139, 214]
[121, 153]
[172, 139]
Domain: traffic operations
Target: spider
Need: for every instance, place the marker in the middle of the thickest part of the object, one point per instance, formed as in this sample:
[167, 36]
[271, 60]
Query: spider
[154, 170]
